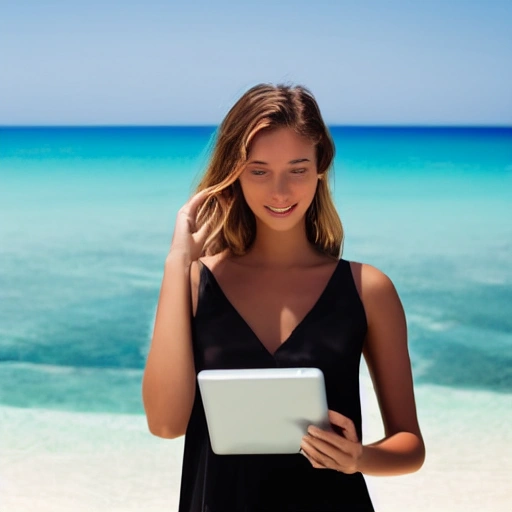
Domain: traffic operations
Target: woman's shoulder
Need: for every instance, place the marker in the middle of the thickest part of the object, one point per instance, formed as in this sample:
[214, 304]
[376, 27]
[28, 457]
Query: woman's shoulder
[372, 283]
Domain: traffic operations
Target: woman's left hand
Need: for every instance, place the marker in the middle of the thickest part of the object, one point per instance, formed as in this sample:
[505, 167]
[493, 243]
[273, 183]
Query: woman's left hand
[329, 450]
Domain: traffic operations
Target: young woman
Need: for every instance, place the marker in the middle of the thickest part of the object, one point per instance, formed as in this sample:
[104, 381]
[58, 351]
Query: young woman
[254, 279]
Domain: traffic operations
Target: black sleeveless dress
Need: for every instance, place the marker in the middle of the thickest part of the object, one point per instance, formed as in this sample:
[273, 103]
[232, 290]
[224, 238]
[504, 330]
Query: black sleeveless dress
[330, 337]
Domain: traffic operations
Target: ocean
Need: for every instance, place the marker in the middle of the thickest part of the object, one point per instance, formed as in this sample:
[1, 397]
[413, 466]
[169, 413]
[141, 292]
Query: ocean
[86, 220]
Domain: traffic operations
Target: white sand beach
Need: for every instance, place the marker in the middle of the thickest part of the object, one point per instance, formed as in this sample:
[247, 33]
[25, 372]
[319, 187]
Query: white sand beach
[56, 461]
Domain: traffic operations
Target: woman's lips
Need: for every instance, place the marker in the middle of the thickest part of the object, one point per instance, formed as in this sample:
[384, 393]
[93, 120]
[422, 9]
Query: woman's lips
[280, 212]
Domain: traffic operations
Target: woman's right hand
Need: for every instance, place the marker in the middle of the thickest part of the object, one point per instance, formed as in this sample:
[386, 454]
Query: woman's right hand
[188, 241]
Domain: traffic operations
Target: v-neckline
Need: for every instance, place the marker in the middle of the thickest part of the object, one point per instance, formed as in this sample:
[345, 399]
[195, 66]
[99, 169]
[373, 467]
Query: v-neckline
[294, 330]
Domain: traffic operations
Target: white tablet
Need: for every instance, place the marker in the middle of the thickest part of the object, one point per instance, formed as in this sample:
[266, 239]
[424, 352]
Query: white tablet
[262, 411]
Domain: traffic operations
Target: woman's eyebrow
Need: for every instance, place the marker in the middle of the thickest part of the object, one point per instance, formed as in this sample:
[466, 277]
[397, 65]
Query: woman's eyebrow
[293, 162]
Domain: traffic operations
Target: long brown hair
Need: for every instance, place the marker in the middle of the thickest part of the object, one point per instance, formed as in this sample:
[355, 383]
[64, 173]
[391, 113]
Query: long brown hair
[263, 107]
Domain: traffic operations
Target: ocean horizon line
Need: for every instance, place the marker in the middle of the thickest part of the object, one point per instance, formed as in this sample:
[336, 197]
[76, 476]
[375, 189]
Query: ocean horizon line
[214, 126]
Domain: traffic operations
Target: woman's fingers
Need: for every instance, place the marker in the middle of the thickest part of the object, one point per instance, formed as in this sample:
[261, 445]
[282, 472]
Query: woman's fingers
[189, 238]
[323, 454]
[331, 439]
[196, 200]
[200, 235]
[320, 447]
[192, 207]
[317, 458]
[316, 464]
[188, 212]
[327, 449]
[346, 425]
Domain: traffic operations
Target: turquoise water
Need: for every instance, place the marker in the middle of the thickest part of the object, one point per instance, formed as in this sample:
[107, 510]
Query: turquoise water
[86, 219]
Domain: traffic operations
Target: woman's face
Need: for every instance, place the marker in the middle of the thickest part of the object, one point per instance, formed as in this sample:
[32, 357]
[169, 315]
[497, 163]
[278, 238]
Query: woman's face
[280, 178]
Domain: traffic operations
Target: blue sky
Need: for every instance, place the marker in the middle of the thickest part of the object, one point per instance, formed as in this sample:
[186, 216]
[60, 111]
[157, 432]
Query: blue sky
[166, 62]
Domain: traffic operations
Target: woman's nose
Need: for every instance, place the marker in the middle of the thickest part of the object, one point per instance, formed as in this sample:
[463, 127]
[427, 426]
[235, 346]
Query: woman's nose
[280, 189]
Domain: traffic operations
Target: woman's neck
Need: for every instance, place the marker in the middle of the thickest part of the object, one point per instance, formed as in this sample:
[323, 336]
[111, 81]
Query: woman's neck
[278, 249]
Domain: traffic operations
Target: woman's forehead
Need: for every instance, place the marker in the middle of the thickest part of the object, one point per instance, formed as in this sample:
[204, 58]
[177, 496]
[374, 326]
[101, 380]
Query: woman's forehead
[279, 144]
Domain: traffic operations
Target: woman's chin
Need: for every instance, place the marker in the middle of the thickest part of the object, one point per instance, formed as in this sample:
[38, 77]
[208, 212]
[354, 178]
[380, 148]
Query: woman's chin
[280, 224]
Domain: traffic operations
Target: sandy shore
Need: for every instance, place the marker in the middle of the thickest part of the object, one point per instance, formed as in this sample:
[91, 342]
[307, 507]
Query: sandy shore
[55, 461]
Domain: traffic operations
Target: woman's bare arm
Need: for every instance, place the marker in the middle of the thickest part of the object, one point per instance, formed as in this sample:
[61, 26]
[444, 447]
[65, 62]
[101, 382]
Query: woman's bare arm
[168, 386]
[402, 450]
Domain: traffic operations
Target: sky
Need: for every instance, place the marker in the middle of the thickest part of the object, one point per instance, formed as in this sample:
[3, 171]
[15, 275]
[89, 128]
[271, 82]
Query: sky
[155, 62]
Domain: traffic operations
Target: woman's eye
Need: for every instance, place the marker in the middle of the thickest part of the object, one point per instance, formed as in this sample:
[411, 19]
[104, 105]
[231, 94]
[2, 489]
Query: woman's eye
[257, 172]
[298, 171]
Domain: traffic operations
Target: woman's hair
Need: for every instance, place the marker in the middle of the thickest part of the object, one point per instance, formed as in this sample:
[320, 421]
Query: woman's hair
[265, 107]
